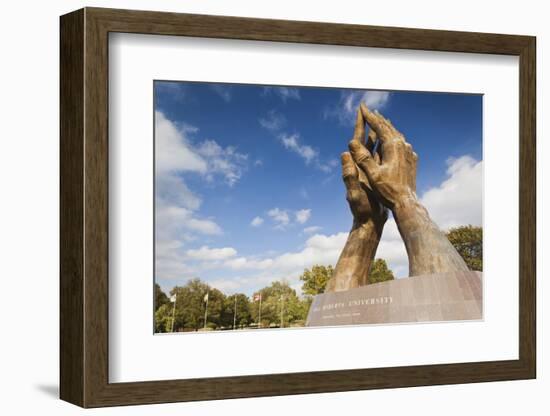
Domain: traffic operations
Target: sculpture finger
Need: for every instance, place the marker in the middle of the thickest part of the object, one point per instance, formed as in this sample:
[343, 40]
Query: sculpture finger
[395, 134]
[364, 160]
[350, 174]
[359, 133]
[376, 123]
[387, 122]
[374, 146]
[371, 140]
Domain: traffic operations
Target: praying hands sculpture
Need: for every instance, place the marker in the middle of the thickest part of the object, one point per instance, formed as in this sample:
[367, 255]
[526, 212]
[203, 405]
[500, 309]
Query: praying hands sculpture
[378, 181]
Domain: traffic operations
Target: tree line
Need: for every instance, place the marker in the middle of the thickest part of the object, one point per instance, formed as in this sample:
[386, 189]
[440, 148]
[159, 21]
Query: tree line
[198, 306]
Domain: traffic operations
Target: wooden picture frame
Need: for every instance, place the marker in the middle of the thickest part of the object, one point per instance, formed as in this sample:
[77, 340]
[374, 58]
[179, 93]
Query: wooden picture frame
[84, 207]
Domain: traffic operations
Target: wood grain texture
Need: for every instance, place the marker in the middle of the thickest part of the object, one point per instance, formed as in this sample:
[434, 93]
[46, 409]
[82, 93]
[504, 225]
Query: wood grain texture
[71, 213]
[528, 209]
[84, 207]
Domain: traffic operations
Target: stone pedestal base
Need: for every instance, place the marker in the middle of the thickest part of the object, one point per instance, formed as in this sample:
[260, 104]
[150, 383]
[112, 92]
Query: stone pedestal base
[435, 297]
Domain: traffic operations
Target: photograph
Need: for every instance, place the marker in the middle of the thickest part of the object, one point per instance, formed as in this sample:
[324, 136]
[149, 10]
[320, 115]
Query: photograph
[290, 206]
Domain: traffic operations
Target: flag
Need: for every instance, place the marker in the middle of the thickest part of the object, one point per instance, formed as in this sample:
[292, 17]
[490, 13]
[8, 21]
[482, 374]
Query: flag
[205, 297]
[257, 297]
[173, 298]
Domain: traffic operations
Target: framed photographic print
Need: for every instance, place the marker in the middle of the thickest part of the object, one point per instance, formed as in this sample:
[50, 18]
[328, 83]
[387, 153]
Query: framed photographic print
[300, 207]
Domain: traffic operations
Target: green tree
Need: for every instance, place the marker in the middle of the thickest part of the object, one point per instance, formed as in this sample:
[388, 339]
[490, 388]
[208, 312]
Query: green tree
[216, 304]
[160, 297]
[280, 304]
[191, 305]
[315, 280]
[468, 241]
[380, 272]
[242, 317]
[296, 310]
[163, 318]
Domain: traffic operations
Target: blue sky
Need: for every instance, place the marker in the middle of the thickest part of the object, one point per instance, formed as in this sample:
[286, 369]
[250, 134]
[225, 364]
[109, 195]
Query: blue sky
[248, 180]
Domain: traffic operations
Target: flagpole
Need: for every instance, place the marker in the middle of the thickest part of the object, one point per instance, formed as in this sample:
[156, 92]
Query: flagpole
[235, 313]
[206, 311]
[174, 312]
[260, 317]
[282, 306]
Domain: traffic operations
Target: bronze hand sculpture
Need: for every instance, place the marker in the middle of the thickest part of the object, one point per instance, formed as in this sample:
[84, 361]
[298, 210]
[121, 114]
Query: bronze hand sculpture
[374, 181]
[369, 217]
[393, 180]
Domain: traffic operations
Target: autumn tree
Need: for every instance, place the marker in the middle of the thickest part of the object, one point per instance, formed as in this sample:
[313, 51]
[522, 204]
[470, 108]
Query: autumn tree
[380, 272]
[468, 241]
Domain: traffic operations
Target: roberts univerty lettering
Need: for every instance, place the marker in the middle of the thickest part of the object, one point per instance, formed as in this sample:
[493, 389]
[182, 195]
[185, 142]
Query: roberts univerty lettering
[371, 301]
[383, 300]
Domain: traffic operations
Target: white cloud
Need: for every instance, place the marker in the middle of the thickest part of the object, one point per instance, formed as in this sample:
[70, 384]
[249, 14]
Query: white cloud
[172, 189]
[302, 215]
[346, 109]
[173, 152]
[375, 100]
[238, 283]
[312, 229]
[245, 263]
[282, 217]
[458, 200]
[273, 121]
[325, 167]
[207, 253]
[279, 216]
[256, 272]
[292, 142]
[257, 221]
[176, 90]
[174, 217]
[319, 249]
[172, 268]
[176, 226]
[226, 162]
[224, 91]
[310, 155]
[285, 93]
